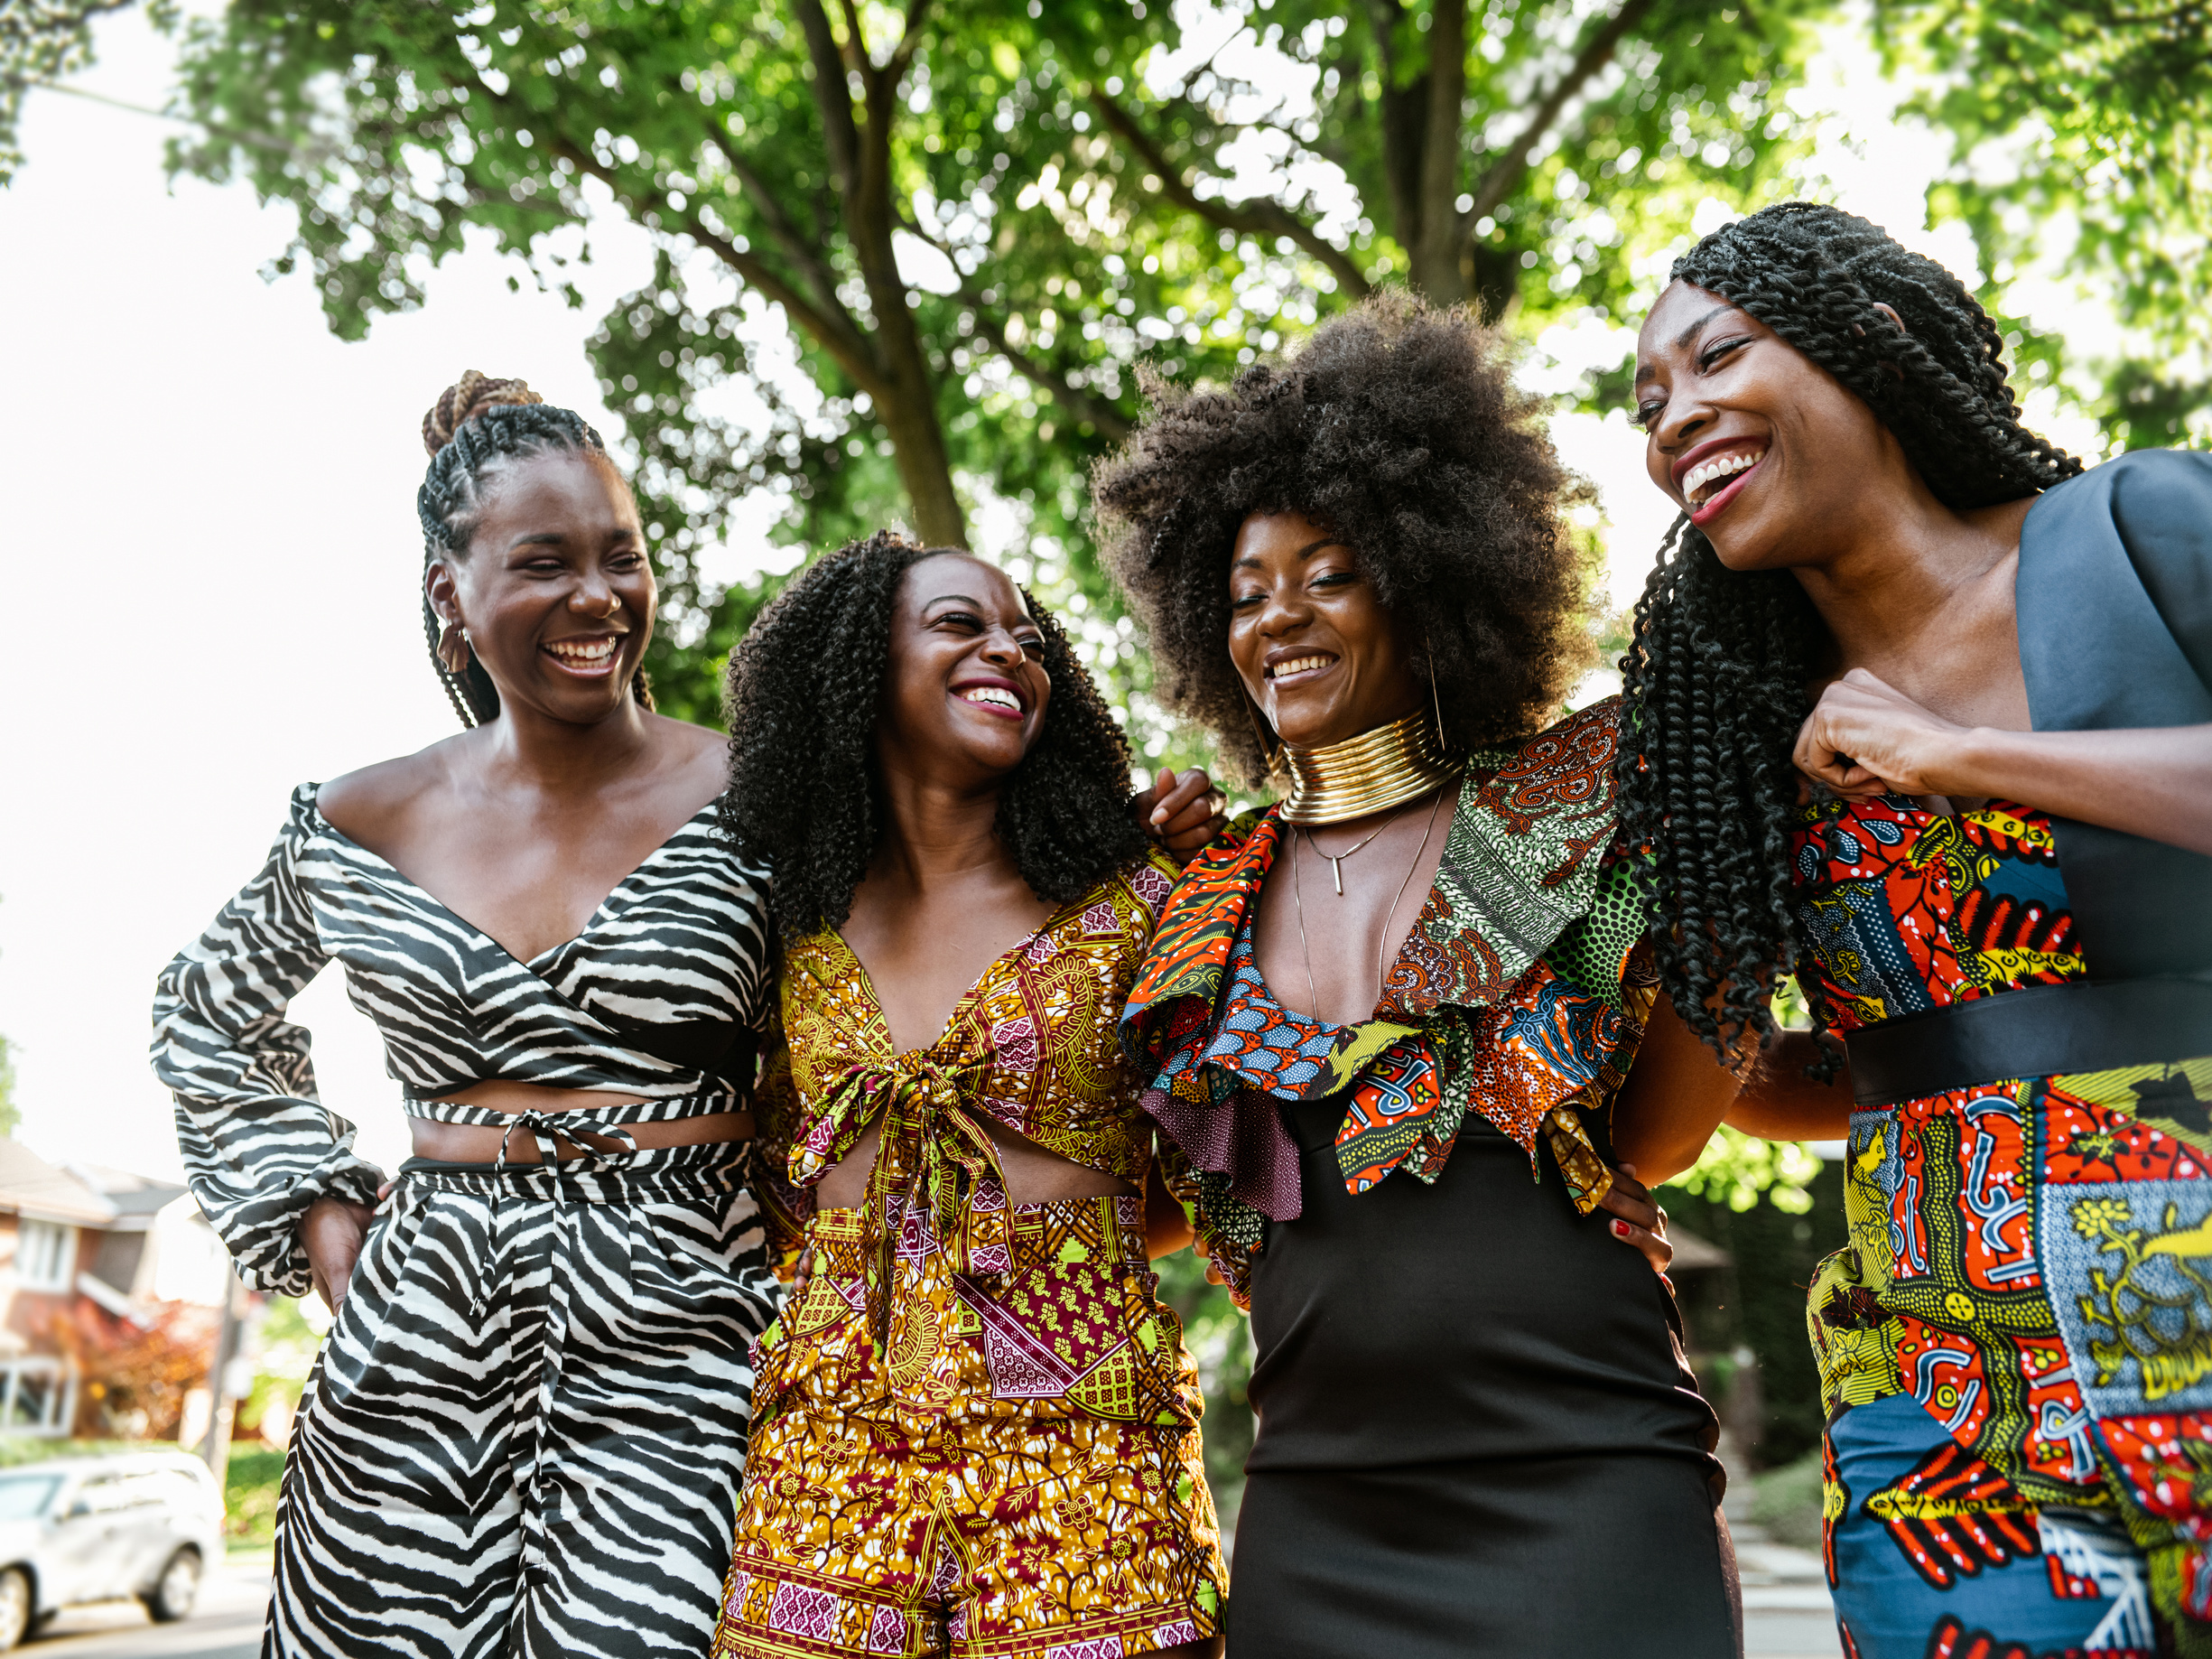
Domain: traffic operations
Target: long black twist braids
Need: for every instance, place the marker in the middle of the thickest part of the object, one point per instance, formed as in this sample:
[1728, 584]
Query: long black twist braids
[1718, 680]
[804, 689]
[479, 424]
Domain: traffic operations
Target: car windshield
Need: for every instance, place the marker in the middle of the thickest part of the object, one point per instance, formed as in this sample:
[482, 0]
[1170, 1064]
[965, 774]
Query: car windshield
[24, 1496]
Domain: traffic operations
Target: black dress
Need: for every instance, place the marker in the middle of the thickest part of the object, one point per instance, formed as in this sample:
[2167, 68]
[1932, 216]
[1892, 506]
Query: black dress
[1477, 1434]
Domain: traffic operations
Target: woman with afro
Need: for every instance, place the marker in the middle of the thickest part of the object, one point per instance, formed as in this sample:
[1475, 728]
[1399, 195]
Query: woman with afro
[975, 1429]
[524, 1431]
[1402, 1023]
[1924, 714]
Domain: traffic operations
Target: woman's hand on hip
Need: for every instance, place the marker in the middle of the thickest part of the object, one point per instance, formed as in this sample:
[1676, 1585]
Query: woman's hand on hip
[1637, 1221]
[332, 1233]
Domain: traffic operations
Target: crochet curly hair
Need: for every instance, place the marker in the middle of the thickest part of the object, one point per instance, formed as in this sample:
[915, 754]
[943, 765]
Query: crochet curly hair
[1716, 681]
[805, 796]
[1396, 427]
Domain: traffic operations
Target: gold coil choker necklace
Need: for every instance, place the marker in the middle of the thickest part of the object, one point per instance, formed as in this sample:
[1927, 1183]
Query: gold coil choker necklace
[1369, 773]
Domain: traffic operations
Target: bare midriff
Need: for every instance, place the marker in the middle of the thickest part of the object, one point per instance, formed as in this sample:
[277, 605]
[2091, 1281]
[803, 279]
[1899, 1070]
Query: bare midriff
[1033, 1175]
[481, 1143]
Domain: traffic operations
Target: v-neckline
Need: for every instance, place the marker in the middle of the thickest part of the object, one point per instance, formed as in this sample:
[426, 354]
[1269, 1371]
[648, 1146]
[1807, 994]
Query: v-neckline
[598, 911]
[875, 1002]
[1246, 925]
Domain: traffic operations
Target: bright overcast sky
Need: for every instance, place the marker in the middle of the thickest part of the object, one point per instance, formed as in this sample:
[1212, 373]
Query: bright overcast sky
[215, 558]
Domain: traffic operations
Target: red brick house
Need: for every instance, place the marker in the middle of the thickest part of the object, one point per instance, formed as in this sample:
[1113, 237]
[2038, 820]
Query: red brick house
[110, 1285]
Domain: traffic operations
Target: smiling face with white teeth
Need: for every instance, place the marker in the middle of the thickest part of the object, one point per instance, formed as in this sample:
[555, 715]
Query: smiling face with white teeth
[966, 690]
[555, 588]
[1769, 454]
[1316, 650]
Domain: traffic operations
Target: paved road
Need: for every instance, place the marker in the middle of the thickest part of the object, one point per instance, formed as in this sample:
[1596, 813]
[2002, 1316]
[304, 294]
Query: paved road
[226, 1625]
[1785, 1616]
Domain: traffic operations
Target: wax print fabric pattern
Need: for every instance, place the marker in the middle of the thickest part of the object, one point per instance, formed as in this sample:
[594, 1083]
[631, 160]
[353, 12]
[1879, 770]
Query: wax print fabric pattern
[1005, 1401]
[2016, 1344]
[1018, 1473]
[1519, 994]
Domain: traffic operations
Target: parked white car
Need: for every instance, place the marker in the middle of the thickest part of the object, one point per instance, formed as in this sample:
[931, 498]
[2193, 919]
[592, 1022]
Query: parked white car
[96, 1529]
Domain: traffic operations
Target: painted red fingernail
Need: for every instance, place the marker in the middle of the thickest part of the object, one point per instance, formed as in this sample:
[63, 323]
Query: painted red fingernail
[1621, 1229]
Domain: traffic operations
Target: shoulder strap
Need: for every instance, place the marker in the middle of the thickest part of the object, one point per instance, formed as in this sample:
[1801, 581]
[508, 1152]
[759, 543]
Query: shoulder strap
[2114, 599]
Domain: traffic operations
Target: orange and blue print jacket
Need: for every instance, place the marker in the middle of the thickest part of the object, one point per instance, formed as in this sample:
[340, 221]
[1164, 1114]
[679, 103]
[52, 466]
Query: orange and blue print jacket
[1519, 994]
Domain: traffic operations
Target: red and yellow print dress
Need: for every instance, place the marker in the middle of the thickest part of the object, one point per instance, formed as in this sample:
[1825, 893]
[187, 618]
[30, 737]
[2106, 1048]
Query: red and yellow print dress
[975, 1428]
[2016, 1345]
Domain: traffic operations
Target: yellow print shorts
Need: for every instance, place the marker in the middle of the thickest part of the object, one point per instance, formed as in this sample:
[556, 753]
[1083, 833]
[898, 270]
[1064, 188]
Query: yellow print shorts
[1021, 1476]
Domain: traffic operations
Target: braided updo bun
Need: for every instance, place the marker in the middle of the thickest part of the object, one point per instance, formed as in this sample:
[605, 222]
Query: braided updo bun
[479, 424]
[1716, 683]
[466, 398]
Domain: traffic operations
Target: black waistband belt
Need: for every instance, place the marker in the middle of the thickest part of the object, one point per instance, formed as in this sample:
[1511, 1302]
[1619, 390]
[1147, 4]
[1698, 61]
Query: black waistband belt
[2033, 1033]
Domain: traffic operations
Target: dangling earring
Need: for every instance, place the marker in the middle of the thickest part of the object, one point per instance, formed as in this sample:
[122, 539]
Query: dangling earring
[1435, 691]
[1271, 753]
[453, 649]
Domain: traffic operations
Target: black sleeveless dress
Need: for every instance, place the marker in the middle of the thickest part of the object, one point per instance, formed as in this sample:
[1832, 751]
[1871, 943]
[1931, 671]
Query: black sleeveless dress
[1477, 1435]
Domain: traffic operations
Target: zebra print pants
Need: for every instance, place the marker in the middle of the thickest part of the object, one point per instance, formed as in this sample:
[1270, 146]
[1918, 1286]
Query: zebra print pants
[525, 1433]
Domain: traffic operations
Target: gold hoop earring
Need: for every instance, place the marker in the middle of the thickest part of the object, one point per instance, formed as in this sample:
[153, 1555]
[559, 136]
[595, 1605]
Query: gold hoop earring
[453, 649]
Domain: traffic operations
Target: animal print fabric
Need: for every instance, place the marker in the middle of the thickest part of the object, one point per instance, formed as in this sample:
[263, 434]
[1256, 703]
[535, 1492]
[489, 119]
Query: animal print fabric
[524, 1436]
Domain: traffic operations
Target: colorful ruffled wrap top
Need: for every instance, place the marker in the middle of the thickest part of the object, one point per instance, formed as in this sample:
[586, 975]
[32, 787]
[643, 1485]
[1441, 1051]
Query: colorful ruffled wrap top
[1030, 1047]
[1520, 995]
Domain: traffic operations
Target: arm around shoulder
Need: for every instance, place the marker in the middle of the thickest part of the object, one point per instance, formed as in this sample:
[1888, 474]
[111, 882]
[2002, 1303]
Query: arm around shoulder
[1676, 1093]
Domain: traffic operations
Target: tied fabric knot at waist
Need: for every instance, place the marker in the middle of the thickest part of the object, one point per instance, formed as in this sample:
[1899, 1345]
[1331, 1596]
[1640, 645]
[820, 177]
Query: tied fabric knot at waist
[936, 1158]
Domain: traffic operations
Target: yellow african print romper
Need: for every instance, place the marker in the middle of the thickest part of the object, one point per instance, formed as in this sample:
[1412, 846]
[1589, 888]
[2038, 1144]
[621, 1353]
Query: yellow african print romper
[976, 1430]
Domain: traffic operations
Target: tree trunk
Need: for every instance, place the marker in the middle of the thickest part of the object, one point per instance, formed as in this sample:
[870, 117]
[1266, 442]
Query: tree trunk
[1402, 110]
[917, 441]
[1440, 247]
[861, 160]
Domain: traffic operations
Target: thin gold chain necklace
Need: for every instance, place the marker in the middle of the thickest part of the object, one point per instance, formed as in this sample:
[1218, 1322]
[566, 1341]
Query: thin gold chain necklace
[1298, 900]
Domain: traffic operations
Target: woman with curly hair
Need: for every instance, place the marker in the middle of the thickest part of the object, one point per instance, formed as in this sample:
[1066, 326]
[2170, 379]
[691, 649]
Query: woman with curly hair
[1398, 1102]
[1988, 868]
[525, 1430]
[975, 1429]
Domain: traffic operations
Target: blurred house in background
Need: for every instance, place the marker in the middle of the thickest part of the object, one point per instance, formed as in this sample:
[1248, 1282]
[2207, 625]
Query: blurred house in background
[111, 1288]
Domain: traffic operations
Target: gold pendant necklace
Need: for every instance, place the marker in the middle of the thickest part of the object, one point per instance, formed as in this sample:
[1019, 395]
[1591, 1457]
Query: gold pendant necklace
[1386, 767]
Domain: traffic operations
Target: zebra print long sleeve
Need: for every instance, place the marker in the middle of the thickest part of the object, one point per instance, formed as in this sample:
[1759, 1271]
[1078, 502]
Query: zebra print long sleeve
[258, 1146]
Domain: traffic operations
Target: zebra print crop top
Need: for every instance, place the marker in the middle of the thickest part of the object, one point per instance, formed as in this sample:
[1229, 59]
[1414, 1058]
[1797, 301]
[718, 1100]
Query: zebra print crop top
[660, 997]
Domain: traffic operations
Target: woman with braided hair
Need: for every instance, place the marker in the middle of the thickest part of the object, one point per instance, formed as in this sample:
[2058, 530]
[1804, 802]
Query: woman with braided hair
[1924, 714]
[525, 1430]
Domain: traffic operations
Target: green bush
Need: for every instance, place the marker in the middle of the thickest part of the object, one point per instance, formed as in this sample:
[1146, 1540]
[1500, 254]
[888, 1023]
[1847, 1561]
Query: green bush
[249, 1492]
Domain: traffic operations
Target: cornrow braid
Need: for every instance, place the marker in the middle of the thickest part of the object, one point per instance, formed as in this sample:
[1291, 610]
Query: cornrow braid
[1718, 680]
[477, 425]
[804, 689]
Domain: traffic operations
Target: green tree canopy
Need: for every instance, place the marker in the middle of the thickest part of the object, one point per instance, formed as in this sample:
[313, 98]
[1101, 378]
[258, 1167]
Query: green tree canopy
[910, 258]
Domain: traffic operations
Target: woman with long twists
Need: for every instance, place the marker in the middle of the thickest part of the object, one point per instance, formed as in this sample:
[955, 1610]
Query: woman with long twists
[976, 1428]
[1398, 1024]
[525, 1430]
[1988, 868]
